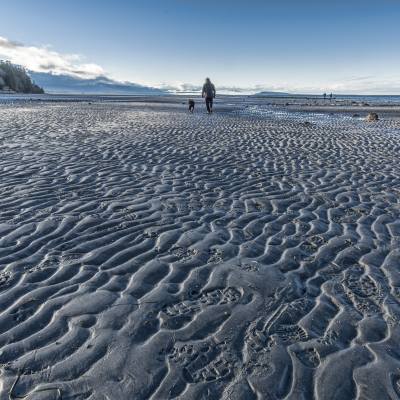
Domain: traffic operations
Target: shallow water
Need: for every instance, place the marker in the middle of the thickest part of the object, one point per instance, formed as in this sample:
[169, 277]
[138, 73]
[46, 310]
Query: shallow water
[274, 112]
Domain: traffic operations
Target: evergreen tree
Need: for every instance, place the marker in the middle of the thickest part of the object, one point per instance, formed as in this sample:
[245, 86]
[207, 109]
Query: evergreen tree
[16, 78]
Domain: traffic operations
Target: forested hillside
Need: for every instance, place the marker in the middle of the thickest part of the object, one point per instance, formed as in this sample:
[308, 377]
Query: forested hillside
[16, 79]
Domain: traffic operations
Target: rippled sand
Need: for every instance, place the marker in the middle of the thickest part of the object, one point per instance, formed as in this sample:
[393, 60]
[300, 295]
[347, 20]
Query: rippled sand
[149, 253]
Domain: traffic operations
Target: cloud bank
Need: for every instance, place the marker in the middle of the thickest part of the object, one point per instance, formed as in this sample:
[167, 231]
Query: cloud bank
[355, 85]
[43, 59]
[188, 88]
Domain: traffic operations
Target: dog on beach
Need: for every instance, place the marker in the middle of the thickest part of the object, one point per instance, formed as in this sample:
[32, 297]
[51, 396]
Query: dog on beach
[191, 105]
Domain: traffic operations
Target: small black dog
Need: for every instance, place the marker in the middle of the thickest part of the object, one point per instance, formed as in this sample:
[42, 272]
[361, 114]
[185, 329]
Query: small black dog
[191, 105]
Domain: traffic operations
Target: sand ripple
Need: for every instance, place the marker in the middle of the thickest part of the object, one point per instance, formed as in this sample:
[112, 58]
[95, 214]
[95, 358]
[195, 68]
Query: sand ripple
[148, 253]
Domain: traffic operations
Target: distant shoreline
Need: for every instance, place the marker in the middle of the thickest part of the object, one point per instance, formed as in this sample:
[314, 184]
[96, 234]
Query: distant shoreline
[191, 94]
[359, 106]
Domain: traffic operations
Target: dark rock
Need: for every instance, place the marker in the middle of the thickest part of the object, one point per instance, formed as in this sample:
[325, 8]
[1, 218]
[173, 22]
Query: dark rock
[371, 117]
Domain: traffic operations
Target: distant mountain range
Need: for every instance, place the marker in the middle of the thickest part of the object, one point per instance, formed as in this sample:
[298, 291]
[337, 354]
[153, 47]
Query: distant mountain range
[52, 83]
[272, 94]
[66, 84]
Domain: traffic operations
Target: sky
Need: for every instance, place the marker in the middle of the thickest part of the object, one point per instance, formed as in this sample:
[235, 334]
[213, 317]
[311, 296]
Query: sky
[308, 46]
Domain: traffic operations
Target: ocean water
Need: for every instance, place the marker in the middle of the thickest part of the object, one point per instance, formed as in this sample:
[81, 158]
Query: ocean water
[371, 99]
[19, 97]
[393, 99]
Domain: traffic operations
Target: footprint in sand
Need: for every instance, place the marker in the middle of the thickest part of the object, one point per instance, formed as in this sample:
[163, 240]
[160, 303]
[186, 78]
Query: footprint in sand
[363, 291]
[178, 314]
[203, 362]
[4, 279]
[184, 254]
[250, 266]
[291, 334]
[220, 368]
[256, 339]
[216, 256]
[364, 305]
[309, 357]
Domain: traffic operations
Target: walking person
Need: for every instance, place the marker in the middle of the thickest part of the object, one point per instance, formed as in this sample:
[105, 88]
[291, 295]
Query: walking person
[209, 94]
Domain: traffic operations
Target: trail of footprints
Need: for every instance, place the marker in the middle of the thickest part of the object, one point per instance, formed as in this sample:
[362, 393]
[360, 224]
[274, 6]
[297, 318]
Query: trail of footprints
[149, 254]
[207, 298]
[202, 362]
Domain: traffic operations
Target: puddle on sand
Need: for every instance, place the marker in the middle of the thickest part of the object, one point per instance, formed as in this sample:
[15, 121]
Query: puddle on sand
[273, 113]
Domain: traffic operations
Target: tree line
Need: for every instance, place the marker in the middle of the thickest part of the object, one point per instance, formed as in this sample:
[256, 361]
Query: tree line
[15, 78]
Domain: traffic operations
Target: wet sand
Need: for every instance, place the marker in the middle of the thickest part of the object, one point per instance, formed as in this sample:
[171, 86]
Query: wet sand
[147, 253]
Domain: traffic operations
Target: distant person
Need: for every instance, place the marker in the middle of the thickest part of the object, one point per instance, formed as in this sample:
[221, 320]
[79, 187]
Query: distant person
[191, 105]
[209, 94]
[330, 96]
[324, 95]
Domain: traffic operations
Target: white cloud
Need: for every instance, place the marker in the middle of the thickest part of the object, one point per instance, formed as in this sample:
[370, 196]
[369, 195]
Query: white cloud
[354, 85]
[43, 59]
[368, 84]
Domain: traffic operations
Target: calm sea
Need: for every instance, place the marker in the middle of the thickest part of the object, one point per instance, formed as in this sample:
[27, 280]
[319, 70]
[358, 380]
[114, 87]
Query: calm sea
[393, 99]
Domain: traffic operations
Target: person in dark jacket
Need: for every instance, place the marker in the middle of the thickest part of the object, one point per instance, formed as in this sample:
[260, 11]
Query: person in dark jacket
[209, 94]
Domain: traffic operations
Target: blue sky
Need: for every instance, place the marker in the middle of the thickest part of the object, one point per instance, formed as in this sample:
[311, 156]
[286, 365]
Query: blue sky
[302, 46]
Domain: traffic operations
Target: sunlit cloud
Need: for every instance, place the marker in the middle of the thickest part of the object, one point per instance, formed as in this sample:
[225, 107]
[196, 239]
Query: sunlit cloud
[353, 85]
[368, 84]
[44, 59]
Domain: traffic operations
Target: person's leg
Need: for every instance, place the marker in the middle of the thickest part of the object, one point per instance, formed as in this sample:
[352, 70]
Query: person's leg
[208, 104]
[211, 104]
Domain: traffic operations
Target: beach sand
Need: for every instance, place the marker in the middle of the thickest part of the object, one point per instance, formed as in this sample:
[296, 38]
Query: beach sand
[148, 253]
